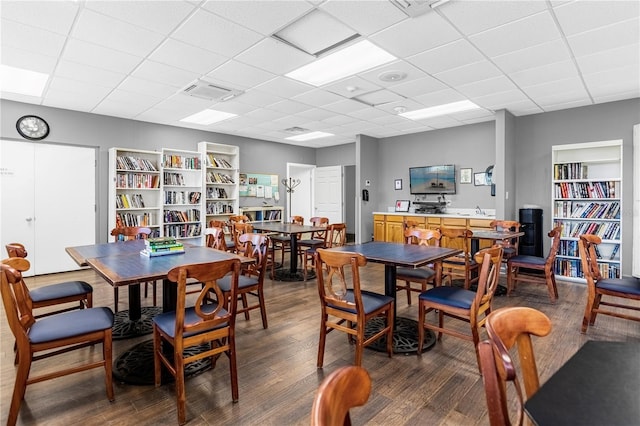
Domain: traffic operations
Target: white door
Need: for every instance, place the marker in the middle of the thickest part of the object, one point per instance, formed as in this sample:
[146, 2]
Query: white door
[53, 190]
[328, 199]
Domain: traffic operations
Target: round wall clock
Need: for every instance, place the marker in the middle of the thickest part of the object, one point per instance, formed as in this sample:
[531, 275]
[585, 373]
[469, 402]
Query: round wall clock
[32, 127]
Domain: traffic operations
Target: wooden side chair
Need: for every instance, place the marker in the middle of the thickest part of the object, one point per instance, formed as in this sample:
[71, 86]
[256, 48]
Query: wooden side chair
[349, 305]
[228, 238]
[470, 306]
[422, 276]
[215, 238]
[335, 236]
[627, 288]
[282, 243]
[537, 270]
[507, 328]
[510, 247]
[127, 233]
[317, 238]
[238, 229]
[251, 281]
[205, 322]
[55, 294]
[464, 264]
[340, 391]
[41, 338]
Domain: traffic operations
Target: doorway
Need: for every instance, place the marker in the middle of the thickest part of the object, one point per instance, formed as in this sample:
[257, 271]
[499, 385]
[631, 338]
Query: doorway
[300, 200]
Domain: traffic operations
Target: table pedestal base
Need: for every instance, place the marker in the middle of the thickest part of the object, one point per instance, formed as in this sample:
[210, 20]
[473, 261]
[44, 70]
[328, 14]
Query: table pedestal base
[405, 336]
[289, 276]
[124, 328]
[135, 366]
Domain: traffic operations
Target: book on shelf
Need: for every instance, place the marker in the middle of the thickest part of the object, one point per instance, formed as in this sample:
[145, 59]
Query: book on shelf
[614, 252]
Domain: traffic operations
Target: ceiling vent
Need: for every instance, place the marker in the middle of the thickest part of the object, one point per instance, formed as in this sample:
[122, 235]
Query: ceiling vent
[204, 90]
[414, 8]
[296, 130]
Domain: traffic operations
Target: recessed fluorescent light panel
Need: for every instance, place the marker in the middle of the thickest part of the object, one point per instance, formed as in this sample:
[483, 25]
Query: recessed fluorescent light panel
[435, 111]
[208, 116]
[22, 81]
[309, 136]
[351, 60]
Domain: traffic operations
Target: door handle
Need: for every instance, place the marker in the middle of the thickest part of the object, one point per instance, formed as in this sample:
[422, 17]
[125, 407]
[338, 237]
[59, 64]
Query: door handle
[29, 219]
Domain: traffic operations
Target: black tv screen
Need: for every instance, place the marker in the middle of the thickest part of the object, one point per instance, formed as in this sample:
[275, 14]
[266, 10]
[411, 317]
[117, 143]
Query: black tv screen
[432, 179]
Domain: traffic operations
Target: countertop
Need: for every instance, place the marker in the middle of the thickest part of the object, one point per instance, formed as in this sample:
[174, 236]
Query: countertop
[459, 214]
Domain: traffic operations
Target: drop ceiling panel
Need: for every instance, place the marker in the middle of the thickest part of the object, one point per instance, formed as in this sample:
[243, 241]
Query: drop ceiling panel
[419, 87]
[98, 56]
[352, 87]
[289, 107]
[339, 120]
[449, 56]
[78, 88]
[468, 73]
[606, 38]
[409, 71]
[147, 87]
[258, 98]
[239, 75]
[580, 16]
[158, 16]
[541, 54]
[74, 101]
[496, 101]
[345, 106]
[486, 87]
[137, 99]
[284, 87]
[30, 39]
[315, 114]
[27, 60]
[610, 59]
[187, 57]
[544, 90]
[317, 97]
[274, 56]
[89, 74]
[234, 107]
[546, 73]
[47, 15]
[438, 98]
[619, 80]
[376, 16]
[263, 114]
[164, 74]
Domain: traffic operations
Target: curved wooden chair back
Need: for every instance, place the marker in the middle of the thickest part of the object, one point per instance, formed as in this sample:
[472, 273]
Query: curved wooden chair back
[409, 223]
[321, 222]
[487, 284]
[296, 220]
[345, 388]
[510, 246]
[16, 250]
[237, 229]
[462, 265]
[506, 328]
[238, 218]
[337, 235]
[214, 238]
[422, 237]
[127, 233]
[256, 246]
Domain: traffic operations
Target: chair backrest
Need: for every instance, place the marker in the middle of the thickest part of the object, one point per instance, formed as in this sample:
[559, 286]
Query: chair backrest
[337, 235]
[296, 220]
[207, 274]
[587, 246]
[322, 222]
[422, 237]
[490, 258]
[459, 238]
[553, 251]
[16, 299]
[409, 223]
[126, 233]
[506, 328]
[214, 238]
[507, 225]
[255, 246]
[16, 250]
[237, 229]
[345, 388]
[238, 218]
[333, 288]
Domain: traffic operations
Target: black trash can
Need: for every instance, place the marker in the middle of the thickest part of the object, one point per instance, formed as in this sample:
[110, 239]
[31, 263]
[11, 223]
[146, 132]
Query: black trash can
[531, 224]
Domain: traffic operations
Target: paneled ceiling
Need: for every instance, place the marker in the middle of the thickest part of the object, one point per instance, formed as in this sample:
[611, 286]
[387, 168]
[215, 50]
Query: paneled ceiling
[133, 59]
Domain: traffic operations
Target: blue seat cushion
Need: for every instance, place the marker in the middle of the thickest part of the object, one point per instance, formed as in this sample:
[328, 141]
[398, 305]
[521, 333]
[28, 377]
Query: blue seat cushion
[57, 291]
[281, 238]
[627, 285]
[508, 251]
[451, 296]
[70, 324]
[243, 281]
[415, 273]
[370, 300]
[167, 321]
[531, 260]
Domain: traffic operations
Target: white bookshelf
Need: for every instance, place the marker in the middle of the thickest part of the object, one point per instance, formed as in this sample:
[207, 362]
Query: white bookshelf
[220, 181]
[263, 214]
[586, 198]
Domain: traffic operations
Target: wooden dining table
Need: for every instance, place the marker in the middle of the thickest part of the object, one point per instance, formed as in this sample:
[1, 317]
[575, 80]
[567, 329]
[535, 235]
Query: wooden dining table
[392, 256]
[598, 385]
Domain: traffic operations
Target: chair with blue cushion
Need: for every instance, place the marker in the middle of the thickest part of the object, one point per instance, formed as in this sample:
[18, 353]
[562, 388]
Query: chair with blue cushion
[55, 294]
[467, 305]
[349, 306]
[422, 276]
[463, 265]
[624, 288]
[205, 323]
[336, 236]
[535, 269]
[251, 281]
[50, 336]
[510, 247]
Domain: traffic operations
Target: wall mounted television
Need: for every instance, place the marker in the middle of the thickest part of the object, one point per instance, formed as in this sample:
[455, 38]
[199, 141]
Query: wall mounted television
[432, 179]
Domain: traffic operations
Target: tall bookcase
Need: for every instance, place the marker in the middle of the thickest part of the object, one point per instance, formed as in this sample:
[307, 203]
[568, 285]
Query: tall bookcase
[134, 190]
[220, 180]
[587, 199]
[182, 195]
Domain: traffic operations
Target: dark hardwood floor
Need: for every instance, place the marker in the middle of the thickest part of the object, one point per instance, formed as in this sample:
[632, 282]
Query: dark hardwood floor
[277, 367]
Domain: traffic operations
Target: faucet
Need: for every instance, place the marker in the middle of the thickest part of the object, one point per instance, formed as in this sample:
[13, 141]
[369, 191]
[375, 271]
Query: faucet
[479, 211]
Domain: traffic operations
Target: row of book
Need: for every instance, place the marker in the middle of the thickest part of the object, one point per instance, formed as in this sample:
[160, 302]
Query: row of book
[183, 231]
[603, 189]
[124, 162]
[182, 197]
[129, 201]
[181, 162]
[590, 210]
[216, 193]
[606, 231]
[218, 162]
[162, 246]
[573, 268]
[137, 180]
[570, 248]
[176, 179]
[264, 215]
[172, 216]
[570, 171]
[130, 219]
[219, 208]
[215, 177]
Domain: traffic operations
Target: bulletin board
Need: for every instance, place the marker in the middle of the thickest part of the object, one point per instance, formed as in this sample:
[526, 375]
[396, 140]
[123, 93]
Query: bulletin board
[259, 185]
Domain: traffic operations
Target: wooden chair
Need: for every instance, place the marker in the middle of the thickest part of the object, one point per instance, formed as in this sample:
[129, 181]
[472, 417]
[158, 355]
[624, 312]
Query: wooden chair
[463, 265]
[228, 238]
[317, 238]
[422, 276]
[349, 305]
[510, 247]
[537, 270]
[470, 306]
[212, 323]
[238, 229]
[55, 294]
[215, 238]
[506, 328]
[127, 233]
[335, 236]
[345, 388]
[282, 243]
[624, 288]
[251, 281]
[50, 336]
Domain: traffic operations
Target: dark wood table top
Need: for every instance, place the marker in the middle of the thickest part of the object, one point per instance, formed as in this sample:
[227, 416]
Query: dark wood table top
[599, 385]
[398, 254]
[285, 228]
[488, 234]
[80, 254]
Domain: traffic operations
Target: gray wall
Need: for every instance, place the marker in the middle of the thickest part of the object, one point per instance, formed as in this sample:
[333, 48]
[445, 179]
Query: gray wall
[367, 155]
[336, 155]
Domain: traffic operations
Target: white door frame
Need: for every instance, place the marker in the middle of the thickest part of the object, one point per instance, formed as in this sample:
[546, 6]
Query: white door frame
[302, 199]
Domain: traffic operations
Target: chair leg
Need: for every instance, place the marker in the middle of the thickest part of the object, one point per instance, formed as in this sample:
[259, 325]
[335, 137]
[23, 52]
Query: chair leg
[551, 286]
[588, 312]
[421, 315]
[263, 309]
[408, 288]
[359, 343]
[245, 305]
[180, 390]
[115, 299]
[107, 353]
[155, 293]
[20, 386]
[390, 324]
[89, 300]
[322, 340]
[233, 367]
[157, 363]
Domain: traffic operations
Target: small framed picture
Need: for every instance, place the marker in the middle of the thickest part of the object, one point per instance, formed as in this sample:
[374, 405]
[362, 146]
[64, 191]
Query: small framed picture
[480, 179]
[465, 175]
[398, 184]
